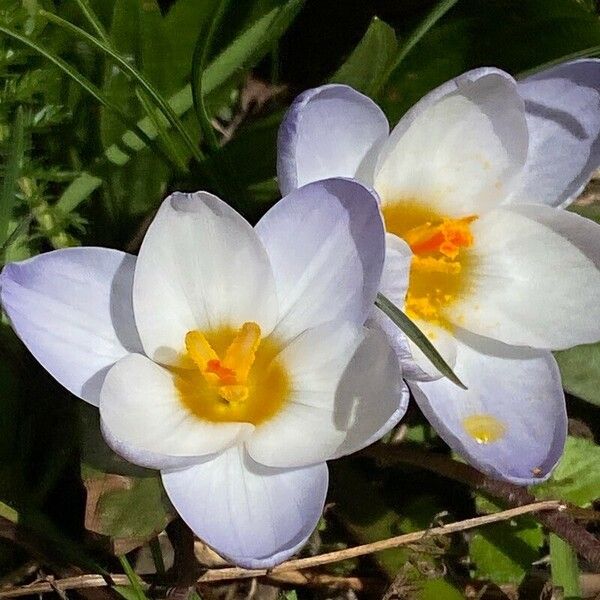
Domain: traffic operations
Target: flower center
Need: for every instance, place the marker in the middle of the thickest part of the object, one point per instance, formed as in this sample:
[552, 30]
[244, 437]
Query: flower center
[439, 270]
[237, 375]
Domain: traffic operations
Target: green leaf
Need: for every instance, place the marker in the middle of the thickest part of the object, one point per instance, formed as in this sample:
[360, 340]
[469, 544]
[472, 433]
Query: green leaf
[125, 503]
[77, 191]
[580, 371]
[245, 50]
[564, 568]
[134, 74]
[503, 33]
[370, 61]
[576, 479]
[437, 12]
[136, 585]
[439, 589]
[369, 517]
[504, 552]
[414, 334]
[12, 170]
[136, 133]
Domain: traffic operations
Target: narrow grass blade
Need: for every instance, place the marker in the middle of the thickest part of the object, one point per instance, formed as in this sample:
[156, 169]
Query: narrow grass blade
[90, 88]
[415, 335]
[438, 11]
[199, 61]
[565, 571]
[157, 557]
[13, 168]
[152, 92]
[133, 579]
[93, 19]
[594, 51]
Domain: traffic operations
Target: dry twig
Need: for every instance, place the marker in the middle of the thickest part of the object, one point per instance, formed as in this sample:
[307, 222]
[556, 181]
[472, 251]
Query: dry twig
[291, 568]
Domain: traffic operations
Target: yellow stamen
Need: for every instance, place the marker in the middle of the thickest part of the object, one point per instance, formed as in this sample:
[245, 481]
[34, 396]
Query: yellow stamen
[242, 351]
[440, 266]
[248, 384]
[484, 428]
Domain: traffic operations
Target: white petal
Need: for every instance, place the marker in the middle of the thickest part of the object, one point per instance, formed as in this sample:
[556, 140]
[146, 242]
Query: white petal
[201, 266]
[326, 244]
[329, 131]
[562, 110]
[72, 309]
[459, 150]
[338, 405]
[536, 281]
[518, 387]
[251, 515]
[145, 419]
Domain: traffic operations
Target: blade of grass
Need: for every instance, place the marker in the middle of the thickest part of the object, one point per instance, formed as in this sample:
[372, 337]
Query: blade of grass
[249, 46]
[16, 233]
[157, 557]
[91, 89]
[200, 58]
[416, 336]
[436, 13]
[13, 168]
[152, 92]
[159, 123]
[564, 567]
[133, 578]
[93, 20]
[586, 53]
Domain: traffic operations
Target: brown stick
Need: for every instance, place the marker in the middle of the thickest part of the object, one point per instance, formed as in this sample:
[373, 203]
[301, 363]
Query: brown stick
[560, 523]
[293, 566]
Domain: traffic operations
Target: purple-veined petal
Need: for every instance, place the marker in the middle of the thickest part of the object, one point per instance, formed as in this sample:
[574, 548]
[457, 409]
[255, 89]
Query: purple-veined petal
[145, 421]
[536, 280]
[562, 107]
[514, 395]
[347, 391]
[326, 245]
[73, 310]
[460, 149]
[329, 131]
[252, 515]
[201, 266]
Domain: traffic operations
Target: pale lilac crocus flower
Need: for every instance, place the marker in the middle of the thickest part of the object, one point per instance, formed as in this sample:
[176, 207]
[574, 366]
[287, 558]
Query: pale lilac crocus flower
[472, 182]
[234, 359]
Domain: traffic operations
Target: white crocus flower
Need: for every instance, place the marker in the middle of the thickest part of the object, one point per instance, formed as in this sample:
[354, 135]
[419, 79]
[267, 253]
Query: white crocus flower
[478, 252]
[232, 358]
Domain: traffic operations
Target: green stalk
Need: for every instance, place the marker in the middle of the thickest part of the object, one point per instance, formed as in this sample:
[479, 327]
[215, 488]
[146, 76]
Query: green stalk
[416, 336]
[152, 92]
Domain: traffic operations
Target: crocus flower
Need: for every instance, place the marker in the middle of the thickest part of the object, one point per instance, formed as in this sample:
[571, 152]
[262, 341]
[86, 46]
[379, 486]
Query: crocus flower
[479, 253]
[234, 359]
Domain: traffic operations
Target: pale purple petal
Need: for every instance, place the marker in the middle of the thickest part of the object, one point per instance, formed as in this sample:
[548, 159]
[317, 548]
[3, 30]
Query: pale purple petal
[254, 516]
[329, 131]
[326, 245]
[519, 388]
[562, 106]
[73, 310]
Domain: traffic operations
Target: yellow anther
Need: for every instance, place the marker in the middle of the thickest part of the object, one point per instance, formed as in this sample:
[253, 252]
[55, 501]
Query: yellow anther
[242, 351]
[430, 264]
[199, 350]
